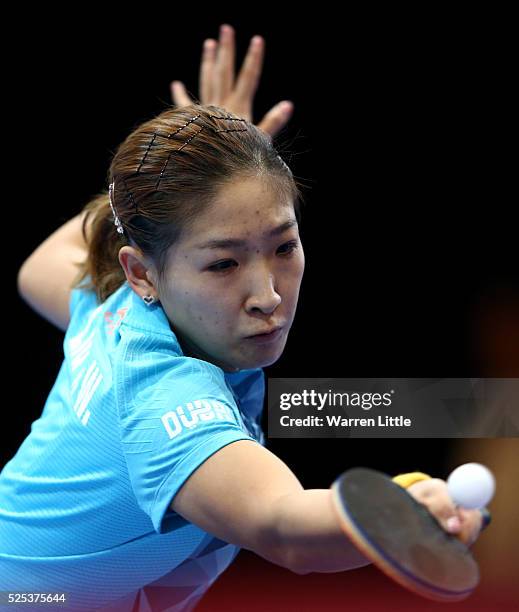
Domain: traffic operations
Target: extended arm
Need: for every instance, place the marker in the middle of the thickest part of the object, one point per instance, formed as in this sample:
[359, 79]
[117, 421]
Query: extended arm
[245, 495]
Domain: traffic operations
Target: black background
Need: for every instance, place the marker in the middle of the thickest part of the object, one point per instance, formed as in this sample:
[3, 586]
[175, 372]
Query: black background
[403, 128]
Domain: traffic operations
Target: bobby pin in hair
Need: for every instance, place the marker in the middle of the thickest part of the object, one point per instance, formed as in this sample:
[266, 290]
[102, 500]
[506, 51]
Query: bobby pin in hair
[228, 118]
[146, 153]
[244, 130]
[171, 153]
[132, 200]
[155, 134]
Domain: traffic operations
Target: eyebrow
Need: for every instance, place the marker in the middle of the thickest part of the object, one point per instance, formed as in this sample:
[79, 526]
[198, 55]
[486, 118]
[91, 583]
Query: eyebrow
[225, 243]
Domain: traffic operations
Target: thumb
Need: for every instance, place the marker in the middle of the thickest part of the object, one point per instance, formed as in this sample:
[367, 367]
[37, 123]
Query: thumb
[179, 94]
[452, 524]
[277, 117]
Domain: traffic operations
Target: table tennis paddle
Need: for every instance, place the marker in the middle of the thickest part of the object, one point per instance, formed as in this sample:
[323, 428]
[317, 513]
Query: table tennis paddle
[401, 537]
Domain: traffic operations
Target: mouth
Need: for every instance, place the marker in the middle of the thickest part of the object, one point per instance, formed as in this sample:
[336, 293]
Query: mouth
[268, 332]
[271, 336]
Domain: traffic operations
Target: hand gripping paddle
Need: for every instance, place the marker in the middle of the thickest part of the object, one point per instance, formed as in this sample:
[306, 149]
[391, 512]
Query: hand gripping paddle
[401, 537]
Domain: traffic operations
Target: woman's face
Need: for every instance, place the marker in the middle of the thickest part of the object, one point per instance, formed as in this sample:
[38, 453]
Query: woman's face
[218, 294]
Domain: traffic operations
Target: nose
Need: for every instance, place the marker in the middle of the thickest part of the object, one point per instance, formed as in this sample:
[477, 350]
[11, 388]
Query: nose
[263, 295]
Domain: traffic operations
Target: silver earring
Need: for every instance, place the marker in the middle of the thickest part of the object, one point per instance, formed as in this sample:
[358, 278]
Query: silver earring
[149, 299]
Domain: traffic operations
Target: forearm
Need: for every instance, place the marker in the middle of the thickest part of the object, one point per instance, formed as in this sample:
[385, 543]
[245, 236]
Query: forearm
[310, 535]
[71, 232]
[69, 235]
[46, 277]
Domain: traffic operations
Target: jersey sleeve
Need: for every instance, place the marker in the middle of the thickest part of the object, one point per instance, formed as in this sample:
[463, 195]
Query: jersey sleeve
[175, 412]
[75, 296]
[80, 296]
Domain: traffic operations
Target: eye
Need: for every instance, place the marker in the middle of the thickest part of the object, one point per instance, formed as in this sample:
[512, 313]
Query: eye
[222, 266]
[287, 249]
[290, 247]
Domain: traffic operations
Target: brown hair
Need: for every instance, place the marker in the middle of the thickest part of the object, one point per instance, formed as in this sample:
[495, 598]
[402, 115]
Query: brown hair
[164, 175]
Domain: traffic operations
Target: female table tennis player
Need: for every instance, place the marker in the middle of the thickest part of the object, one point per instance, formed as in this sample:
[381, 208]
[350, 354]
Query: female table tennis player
[147, 470]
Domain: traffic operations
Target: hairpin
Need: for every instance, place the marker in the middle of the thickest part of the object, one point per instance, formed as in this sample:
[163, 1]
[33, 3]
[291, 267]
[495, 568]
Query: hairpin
[117, 221]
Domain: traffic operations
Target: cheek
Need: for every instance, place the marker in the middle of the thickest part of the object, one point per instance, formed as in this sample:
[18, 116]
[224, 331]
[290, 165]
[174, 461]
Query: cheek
[300, 262]
[296, 275]
[206, 311]
[186, 304]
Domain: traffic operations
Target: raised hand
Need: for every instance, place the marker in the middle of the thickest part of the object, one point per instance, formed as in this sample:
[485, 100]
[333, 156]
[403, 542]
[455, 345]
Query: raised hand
[219, 86]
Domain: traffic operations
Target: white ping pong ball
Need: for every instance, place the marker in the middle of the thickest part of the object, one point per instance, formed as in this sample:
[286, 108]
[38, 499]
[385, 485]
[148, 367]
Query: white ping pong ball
[471, 485]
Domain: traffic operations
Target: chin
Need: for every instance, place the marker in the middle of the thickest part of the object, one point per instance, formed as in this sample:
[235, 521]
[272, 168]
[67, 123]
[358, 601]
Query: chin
[258, 362]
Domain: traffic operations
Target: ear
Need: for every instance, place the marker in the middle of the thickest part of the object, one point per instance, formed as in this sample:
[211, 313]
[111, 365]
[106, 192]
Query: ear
[140, 271]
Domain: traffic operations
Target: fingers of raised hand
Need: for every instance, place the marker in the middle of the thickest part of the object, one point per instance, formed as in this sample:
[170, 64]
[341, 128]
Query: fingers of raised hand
[250, 72]
[207, 67]
[217, 84]
[223, 76]
[179, 94]
[276, 118]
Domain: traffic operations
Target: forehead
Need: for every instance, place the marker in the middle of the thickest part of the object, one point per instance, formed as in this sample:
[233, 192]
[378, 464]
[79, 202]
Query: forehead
[242, 208]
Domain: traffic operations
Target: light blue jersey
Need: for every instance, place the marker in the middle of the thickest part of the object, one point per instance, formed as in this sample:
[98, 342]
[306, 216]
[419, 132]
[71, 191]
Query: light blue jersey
[84, 503]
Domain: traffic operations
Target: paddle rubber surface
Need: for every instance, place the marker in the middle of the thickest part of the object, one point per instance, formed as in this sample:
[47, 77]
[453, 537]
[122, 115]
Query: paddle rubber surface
[402, 537]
